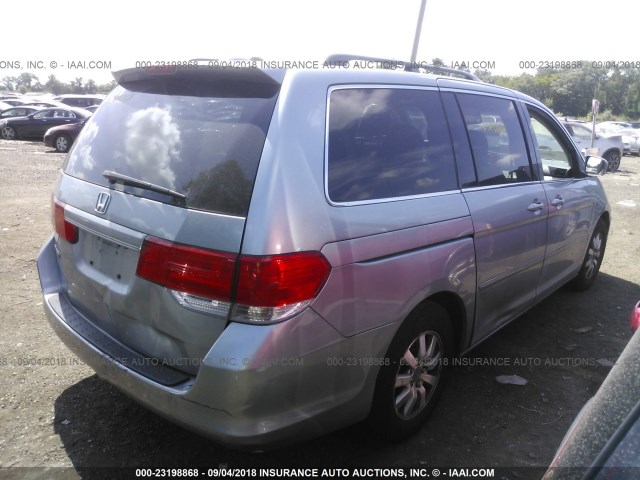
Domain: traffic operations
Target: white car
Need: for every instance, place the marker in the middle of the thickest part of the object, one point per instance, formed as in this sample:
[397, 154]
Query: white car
[631, 140]
[610, 145]
[630, 134]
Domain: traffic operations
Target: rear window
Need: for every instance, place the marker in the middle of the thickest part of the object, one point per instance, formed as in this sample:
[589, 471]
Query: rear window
[196, 139]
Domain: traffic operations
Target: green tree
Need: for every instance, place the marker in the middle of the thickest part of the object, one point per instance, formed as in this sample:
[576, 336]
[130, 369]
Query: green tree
[55, 86]
[9, 83]
[26, 80]
[76, 85]
[484, 75]
[91, 87]
[620, 92]
[106, 87]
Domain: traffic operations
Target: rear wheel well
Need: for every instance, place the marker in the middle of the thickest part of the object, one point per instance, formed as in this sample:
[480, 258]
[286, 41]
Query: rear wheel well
[454, 306]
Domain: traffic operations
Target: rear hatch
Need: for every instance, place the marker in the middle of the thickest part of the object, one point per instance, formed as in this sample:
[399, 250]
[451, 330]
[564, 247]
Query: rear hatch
[151, 204]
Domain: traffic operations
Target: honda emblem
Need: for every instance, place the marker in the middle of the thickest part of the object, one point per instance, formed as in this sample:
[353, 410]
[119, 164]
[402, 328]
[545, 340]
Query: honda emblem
[103, 203]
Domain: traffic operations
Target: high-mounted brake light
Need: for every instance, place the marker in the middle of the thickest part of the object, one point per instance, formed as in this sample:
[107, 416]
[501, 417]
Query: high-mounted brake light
[269, 288]
[63, 227]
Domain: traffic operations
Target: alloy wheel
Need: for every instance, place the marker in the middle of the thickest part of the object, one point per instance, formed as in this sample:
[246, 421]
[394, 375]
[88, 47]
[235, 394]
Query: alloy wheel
[418, 374]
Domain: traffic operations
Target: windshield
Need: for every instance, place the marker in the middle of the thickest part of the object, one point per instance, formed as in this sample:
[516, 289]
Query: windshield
[202, 146]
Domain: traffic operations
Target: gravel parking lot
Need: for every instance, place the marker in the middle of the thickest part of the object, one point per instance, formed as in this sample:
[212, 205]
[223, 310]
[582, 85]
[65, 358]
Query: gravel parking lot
[54, 412]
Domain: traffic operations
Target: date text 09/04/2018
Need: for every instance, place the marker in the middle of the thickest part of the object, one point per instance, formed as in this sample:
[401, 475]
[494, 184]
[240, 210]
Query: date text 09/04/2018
[258, 473]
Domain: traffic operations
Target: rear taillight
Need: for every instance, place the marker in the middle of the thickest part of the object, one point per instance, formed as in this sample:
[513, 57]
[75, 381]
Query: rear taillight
[269, 288]
[278, 286]
[199, 272]
[63, 228]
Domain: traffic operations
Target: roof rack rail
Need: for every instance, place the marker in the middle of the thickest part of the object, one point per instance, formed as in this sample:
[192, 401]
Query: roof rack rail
[408, 66]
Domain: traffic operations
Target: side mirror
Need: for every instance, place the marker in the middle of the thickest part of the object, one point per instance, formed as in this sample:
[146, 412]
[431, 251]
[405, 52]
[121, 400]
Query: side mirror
[596, 165]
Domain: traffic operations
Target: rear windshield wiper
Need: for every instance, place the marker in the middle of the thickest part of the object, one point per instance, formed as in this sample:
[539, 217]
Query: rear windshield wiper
[115, 177]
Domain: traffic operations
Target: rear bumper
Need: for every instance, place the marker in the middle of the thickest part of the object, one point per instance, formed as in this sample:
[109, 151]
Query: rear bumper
[259, 386]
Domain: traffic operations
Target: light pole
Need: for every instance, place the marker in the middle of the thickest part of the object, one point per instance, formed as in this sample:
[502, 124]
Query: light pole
[416, 39]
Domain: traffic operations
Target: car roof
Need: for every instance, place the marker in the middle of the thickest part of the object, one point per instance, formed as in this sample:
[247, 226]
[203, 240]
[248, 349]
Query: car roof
[79, 95]
[406, 74]
[80, 111]
[35, 107]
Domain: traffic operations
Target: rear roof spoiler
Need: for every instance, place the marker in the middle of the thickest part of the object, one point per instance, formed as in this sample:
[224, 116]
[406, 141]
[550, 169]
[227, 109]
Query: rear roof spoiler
[201, 80]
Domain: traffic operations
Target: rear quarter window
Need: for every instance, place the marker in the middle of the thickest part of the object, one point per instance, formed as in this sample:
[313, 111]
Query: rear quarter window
[387, 143]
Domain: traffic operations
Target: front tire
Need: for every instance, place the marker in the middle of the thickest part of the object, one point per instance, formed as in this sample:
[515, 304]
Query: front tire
[410, 384]
[9, 133]
[592, 259]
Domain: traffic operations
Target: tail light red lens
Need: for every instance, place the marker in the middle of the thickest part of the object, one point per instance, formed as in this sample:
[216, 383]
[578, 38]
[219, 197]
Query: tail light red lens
[264, 283]
[63, 228]
[279, 280]
[200, 272]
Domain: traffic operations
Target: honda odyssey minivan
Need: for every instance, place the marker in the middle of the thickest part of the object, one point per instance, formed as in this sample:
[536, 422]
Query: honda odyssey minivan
[267, 255]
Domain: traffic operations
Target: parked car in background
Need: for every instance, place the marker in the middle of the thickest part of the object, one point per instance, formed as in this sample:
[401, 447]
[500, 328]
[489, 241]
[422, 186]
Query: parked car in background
[610, 146]
[612, 126]
[80, 101]
[21, 111]
[630, 134]
[45, 104]
[15, 101]
[631, 140]
[92, 108]
[4, 106]
[62, 137]
[267, 255]
[36, 124]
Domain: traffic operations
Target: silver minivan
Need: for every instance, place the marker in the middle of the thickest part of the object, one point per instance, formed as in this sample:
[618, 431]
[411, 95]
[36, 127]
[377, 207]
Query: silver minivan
[267, 255]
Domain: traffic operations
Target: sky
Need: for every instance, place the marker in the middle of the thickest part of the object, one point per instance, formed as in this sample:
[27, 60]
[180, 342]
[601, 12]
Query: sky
[89, 40]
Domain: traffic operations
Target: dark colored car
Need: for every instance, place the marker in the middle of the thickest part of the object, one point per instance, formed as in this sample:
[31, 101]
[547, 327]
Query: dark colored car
[604, 440]
[62, 137]
[80, 101]
[44, 104]
[36, 124]
[21, 111]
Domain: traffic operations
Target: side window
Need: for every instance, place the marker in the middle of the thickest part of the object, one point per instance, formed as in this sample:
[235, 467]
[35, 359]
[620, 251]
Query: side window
[497, 142]
[582, 132]
[552, 149]
[387, 143]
